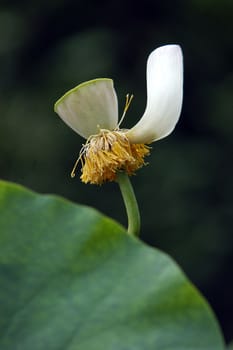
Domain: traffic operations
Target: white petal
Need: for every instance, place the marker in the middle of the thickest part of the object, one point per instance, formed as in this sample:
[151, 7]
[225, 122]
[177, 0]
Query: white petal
[89, 107]
[164, 95]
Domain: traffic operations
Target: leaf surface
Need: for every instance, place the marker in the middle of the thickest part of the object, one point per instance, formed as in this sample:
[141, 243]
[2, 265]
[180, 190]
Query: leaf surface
[72, 279]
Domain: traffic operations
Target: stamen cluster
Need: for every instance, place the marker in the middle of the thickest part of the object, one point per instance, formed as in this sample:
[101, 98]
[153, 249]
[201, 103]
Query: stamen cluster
[105, 154]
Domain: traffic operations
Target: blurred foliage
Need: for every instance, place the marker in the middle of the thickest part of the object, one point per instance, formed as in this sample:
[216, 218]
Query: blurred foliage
[185, 194]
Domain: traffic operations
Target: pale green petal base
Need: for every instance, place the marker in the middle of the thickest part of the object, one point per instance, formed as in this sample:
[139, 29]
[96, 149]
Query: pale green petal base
[89, 107]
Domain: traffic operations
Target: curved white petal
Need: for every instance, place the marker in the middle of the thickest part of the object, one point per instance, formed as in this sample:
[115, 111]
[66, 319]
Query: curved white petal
[164, 95]
[89, 107]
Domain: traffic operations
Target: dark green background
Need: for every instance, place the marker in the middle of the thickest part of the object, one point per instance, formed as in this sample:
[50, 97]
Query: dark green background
[185, 194]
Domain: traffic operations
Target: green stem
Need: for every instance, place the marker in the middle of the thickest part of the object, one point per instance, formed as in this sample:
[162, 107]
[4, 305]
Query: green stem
[131, 204]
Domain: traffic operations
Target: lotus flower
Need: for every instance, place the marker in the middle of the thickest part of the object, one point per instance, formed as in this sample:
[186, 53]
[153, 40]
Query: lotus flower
[91, 110]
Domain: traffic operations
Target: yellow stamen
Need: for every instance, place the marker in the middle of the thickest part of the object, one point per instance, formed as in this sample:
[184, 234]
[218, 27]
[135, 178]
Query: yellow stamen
[105, 154]
[127, 104]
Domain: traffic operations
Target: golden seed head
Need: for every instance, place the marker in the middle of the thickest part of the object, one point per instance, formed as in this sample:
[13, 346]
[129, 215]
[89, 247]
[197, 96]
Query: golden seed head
[103, 155]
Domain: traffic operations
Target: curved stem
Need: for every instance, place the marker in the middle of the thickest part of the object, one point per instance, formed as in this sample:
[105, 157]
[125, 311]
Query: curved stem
[130, 202]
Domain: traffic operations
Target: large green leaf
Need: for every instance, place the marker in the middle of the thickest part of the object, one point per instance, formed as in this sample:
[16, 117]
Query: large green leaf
[73, 279]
